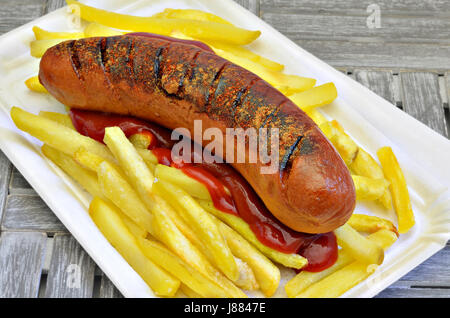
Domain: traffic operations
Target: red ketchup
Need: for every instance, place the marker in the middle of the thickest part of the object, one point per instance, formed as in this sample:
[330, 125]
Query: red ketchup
[198, 44]
[319, 249]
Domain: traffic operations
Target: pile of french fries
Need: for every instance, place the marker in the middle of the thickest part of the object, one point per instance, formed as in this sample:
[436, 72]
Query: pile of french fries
[164, 223]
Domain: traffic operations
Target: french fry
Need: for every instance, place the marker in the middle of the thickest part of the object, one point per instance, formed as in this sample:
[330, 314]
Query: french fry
[197, 29]
[364, 165]
[350, 275]
[110, 224]
[42, 34]
[189, 293]
[34, 85]
[179, 179]
[368, 188]
[289, 260]
[315, 97]
[398, 188]
[316, 116]
[159, 254]
[56, 135]
[266, 273]
[346, 147]
[293, 82]
[165, 229]
[38, 47]
[96, 29]
[190, 14]
[200, 221]
[246, 53]
[370, 224]
[59, 118]
[359, 246]
[141, 141]
[87, 179]
[305, 279]
[246, 279]
[147, 156]
[88, 159]
[118, 191]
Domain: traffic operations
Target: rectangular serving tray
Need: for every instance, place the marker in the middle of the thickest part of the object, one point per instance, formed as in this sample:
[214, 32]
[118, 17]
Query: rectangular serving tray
[372, 121]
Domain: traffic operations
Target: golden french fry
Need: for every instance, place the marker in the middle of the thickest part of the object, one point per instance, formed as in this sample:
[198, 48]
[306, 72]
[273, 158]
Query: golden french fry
[398, 188]
[350, 275]
[289, 260]
[141, 141]
[198, 29]
[246, 53]
[189, 293]
[346, 147]
[266, 273]
[315, 97]
[246, 279]
[110, 224]
[38, 47]
[364, 165]
[200, 221]
[34, 85]
[359, 246]
[165, 229]
[370, 224]
[62, 119]
[190, 14]
[160, 255]
[368, 188]
[96, 29]
[316, 116]
[87, 179]
[293, 82]
[305, 279]
[179, 179]
[118, 191]
[87, 159]
[56, 135]
[42, 34]
[147, 156]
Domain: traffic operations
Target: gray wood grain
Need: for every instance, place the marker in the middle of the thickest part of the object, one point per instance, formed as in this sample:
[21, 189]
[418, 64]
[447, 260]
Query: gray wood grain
[5, 175]
[19, 185]
[71, 272]
[29, 212]
[251, 5]
[52, 5]
[15, 13]
[380, 82]
[21, 259]
[412, 34]
[107, 288]
[422, 100]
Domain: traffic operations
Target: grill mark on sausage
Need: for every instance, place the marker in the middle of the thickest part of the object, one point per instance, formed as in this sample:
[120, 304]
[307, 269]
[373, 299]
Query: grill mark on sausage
[130, 59]
[74, 59]
[102, 60]
[215, 83]
[272, 114]
[188, 73]
[157, 66]
[287, 156]
[237, 103]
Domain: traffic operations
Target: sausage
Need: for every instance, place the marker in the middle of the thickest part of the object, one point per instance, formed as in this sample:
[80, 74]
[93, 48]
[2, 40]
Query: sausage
[173, 84]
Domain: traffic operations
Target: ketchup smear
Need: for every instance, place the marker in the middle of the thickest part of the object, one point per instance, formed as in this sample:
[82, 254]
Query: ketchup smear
[319, 249]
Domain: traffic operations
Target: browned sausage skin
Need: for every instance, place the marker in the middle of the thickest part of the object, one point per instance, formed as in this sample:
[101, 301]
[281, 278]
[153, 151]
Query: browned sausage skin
[173, 84]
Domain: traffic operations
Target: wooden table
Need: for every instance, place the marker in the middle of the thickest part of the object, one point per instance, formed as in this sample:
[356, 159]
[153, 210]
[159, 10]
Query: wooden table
[406, 61]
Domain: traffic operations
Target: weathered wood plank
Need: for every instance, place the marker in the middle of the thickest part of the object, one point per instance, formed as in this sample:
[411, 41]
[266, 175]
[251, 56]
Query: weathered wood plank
[414, 292]
[251, 5]
[52, 5]
[5, 175]
[107, 288]
[21, 259]
[421, 99]
[71, 272]
[19, 185]
[29, 212]
[412, 34]
[15, 13]
[399, 7]
[380, 82]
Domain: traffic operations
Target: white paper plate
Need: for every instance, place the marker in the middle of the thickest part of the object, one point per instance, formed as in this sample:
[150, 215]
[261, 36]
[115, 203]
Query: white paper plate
[423, 154]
